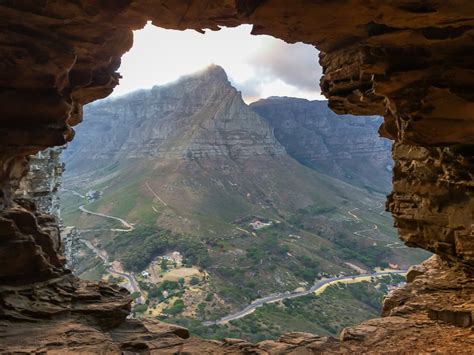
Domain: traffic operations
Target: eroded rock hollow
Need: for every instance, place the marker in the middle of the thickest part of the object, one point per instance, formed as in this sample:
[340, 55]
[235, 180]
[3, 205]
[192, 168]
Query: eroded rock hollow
[410, 61]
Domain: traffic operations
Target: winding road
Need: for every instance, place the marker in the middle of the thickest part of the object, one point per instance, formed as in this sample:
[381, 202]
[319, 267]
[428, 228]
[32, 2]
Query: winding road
[132, 284]
[294, 294]
[362, 233]
[121, 220]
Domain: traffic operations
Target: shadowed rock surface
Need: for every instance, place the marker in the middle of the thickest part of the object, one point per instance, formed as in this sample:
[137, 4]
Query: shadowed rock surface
[408, 60]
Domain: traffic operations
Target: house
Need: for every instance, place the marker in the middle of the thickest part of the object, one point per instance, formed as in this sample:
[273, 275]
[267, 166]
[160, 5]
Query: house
[393, 266]
[257, 224]
[93, 195]
[176, 257]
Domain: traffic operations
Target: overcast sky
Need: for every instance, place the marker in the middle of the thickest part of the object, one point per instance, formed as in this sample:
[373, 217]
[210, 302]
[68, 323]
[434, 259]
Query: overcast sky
[259, 66]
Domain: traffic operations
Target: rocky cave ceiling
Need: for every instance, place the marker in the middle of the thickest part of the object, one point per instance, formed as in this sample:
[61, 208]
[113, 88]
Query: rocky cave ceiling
[411, 61]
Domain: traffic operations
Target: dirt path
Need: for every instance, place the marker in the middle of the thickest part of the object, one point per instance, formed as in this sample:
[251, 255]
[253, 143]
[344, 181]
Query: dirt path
[353, 215]
[75, 193]
[155, 194]
[363, 233]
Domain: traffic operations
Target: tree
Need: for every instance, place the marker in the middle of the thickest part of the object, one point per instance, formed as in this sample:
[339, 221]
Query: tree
[140, 308]
[164, 265]
[176, 308]
[194, 280]
[135, 294]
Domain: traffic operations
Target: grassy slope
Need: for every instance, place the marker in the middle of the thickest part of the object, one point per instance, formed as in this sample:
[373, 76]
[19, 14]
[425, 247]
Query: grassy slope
[204, 197]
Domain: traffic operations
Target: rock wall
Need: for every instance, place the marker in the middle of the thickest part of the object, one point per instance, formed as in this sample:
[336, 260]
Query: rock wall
[408, 60]
[200, 115]
[70, 237]
[433, 200]
[43, 180]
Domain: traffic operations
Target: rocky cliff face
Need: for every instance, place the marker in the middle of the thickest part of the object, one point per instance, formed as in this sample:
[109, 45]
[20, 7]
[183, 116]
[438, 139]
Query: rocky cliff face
[410, 61]
[43, 180]
[200, 115]
[346, 147]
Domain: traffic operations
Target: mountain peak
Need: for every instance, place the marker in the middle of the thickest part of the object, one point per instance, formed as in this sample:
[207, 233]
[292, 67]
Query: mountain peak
[215, 69]
[214, 72]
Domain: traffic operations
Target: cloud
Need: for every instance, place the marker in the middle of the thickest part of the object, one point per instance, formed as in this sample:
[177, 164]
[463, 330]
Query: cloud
[259, 66]
[253, 88]
[294, 64]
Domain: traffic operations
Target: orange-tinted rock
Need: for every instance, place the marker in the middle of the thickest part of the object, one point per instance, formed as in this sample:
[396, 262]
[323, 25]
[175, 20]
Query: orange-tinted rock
[433, 200]
[410, 61]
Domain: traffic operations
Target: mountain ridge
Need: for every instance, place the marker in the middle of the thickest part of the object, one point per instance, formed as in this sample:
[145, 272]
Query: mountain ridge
[345, 147]
[198, 115]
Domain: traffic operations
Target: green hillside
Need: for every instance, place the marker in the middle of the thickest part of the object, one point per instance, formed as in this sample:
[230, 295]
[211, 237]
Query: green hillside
[208, 205]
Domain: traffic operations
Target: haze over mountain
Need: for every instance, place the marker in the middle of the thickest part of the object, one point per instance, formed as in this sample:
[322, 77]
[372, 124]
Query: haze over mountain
[346, 147]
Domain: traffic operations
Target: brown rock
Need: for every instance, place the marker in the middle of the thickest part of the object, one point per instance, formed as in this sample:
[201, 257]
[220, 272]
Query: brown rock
[410, 61]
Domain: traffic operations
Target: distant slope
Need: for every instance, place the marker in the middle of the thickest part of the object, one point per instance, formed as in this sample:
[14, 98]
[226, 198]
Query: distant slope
[346, 147]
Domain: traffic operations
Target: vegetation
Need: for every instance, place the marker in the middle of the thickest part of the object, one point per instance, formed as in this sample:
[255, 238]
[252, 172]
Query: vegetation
[242, 264]
[135, 294]
[194, 281]
[140, 308]
[338, 307]
[176, 308]
[138, 248]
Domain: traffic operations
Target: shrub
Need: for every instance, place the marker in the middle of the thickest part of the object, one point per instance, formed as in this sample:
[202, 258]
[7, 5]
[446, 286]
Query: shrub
[140, 308]
[194, 280]
[176, 308]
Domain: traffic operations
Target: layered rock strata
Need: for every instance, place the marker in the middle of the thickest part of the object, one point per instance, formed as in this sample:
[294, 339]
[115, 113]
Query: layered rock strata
[408, 60]
[43, 180]
[433, 200]
[200, 115]
[345, 147]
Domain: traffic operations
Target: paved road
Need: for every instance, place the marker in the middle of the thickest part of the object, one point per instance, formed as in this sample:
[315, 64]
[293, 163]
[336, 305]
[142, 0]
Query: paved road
[132, 284]
[121, 220]
[293, 294]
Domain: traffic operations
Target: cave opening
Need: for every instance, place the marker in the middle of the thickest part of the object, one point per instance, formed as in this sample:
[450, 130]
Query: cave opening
[181, 187]
[59, 56]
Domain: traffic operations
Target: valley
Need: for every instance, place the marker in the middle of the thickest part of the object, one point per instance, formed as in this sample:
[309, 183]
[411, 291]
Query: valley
[189, 169]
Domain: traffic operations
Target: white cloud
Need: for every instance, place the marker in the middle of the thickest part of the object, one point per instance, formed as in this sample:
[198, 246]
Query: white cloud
[259, 66]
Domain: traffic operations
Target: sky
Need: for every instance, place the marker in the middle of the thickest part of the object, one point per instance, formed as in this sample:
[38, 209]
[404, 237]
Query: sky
[258, 66]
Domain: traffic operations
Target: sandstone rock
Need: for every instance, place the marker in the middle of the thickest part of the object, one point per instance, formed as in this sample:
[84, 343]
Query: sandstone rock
[410, 61]
[433, 200]
[29, 246]
[441, 292]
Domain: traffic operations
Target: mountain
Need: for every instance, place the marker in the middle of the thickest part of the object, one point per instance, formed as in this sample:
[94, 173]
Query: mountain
[189, 169]
[346, 147]
[200, 115]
